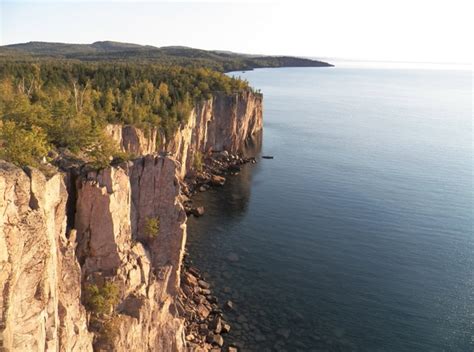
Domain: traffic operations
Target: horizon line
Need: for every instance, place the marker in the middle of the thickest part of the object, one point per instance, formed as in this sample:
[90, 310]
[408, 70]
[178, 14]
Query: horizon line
[306, 56]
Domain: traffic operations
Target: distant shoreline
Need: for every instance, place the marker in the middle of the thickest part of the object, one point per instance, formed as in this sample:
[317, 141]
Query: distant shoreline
[116, 52]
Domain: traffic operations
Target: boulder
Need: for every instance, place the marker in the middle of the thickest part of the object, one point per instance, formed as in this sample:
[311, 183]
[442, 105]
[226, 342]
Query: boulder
[210, 298]
[229, 305]
[190, 279]
[199, 299]
[188, 290]
[203, 311]
[194, 271]
[203, 284]
[225, 328]
[203, 329]
[217, 180]
[223, 155]
[198, 211]
[216, 339]
[216, 324]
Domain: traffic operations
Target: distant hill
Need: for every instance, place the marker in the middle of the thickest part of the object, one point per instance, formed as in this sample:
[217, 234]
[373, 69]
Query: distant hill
[123, 52]
[63, 49]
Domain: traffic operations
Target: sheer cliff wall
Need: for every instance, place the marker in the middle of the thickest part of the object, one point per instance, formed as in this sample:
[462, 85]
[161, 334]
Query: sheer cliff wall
[45, 266]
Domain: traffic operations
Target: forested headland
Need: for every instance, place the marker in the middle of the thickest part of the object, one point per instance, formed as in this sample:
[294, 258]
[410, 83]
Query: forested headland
[57, 98]
[53, 105]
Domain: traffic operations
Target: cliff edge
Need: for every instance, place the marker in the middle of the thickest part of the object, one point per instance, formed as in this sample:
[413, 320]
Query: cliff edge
[92, 262]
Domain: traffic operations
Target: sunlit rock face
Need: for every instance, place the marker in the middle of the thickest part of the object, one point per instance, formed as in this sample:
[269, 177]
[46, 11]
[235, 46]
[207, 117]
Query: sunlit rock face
[45, 266]
[220, 123]
[133, 140]
[114, 207]
[40, 278]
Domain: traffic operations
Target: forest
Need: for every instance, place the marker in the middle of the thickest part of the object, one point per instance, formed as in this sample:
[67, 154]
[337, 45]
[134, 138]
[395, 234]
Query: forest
[52, 106]
[107, 51]
[56, 98]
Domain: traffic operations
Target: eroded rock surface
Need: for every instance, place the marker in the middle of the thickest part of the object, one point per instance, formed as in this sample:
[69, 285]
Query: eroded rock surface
[114, 209]
[40, 283]
[222, 123]
[127, 227]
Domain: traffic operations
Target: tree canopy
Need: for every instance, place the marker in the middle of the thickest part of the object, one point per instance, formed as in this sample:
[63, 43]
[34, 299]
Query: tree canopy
[59, 104]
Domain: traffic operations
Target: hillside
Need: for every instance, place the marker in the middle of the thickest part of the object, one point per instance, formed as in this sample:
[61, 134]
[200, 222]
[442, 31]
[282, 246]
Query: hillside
[176, 55]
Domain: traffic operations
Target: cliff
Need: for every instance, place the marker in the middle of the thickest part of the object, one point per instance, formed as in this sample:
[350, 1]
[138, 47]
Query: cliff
[220, 123]
[105, 273]
[40, 277]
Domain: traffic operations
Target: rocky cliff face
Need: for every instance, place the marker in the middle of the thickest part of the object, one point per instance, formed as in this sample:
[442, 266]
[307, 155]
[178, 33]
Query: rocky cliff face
[40, 277]
[134, 140]
[114, 209]
[129, 232]
[220, 123]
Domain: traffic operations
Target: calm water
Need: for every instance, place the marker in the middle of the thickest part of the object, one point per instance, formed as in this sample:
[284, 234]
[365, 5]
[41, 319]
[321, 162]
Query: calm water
[358, 235]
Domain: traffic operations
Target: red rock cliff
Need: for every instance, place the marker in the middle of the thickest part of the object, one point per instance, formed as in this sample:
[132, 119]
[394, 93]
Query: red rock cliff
[45, 267]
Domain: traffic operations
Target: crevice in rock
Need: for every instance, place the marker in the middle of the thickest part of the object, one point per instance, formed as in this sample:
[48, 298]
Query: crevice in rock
[71, 188]
[34, 202]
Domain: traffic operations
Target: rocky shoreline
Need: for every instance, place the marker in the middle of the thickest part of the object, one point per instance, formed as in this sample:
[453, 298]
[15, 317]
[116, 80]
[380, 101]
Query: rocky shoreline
[205, 317]
[216, 167]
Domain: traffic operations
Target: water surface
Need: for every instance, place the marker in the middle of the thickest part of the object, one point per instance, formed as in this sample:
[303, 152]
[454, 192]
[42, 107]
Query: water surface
[358, 235]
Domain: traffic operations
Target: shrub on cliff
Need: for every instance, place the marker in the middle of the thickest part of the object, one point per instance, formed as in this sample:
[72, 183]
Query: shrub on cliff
[103, 151]
[198, 161]
[152, 227]
[101, 299]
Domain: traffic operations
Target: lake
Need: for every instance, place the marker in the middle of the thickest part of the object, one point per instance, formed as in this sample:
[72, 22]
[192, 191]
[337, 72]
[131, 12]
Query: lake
[358, 235]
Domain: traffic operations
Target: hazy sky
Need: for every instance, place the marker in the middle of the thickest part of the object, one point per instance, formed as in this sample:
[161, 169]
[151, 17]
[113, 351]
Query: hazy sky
[398, 30]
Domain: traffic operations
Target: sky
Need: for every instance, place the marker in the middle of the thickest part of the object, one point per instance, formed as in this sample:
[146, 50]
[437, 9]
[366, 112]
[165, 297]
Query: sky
[392, 30]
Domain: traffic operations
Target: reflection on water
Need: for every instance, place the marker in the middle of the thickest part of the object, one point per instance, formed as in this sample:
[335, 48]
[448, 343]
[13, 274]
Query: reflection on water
[265, 315]
[358, 235]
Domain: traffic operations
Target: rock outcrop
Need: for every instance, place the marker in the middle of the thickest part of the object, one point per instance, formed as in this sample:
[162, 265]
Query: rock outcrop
[124, 226]
[114, 209]
[220, 123]
[135, 141]
[40, 278]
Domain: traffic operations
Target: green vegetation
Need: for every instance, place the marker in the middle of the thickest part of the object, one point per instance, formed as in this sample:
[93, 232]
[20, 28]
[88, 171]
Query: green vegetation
[198, 162]
[101, 299]
[25, 147]
[107, 51]
[59, 97]
[63, 105]
[152, 227]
